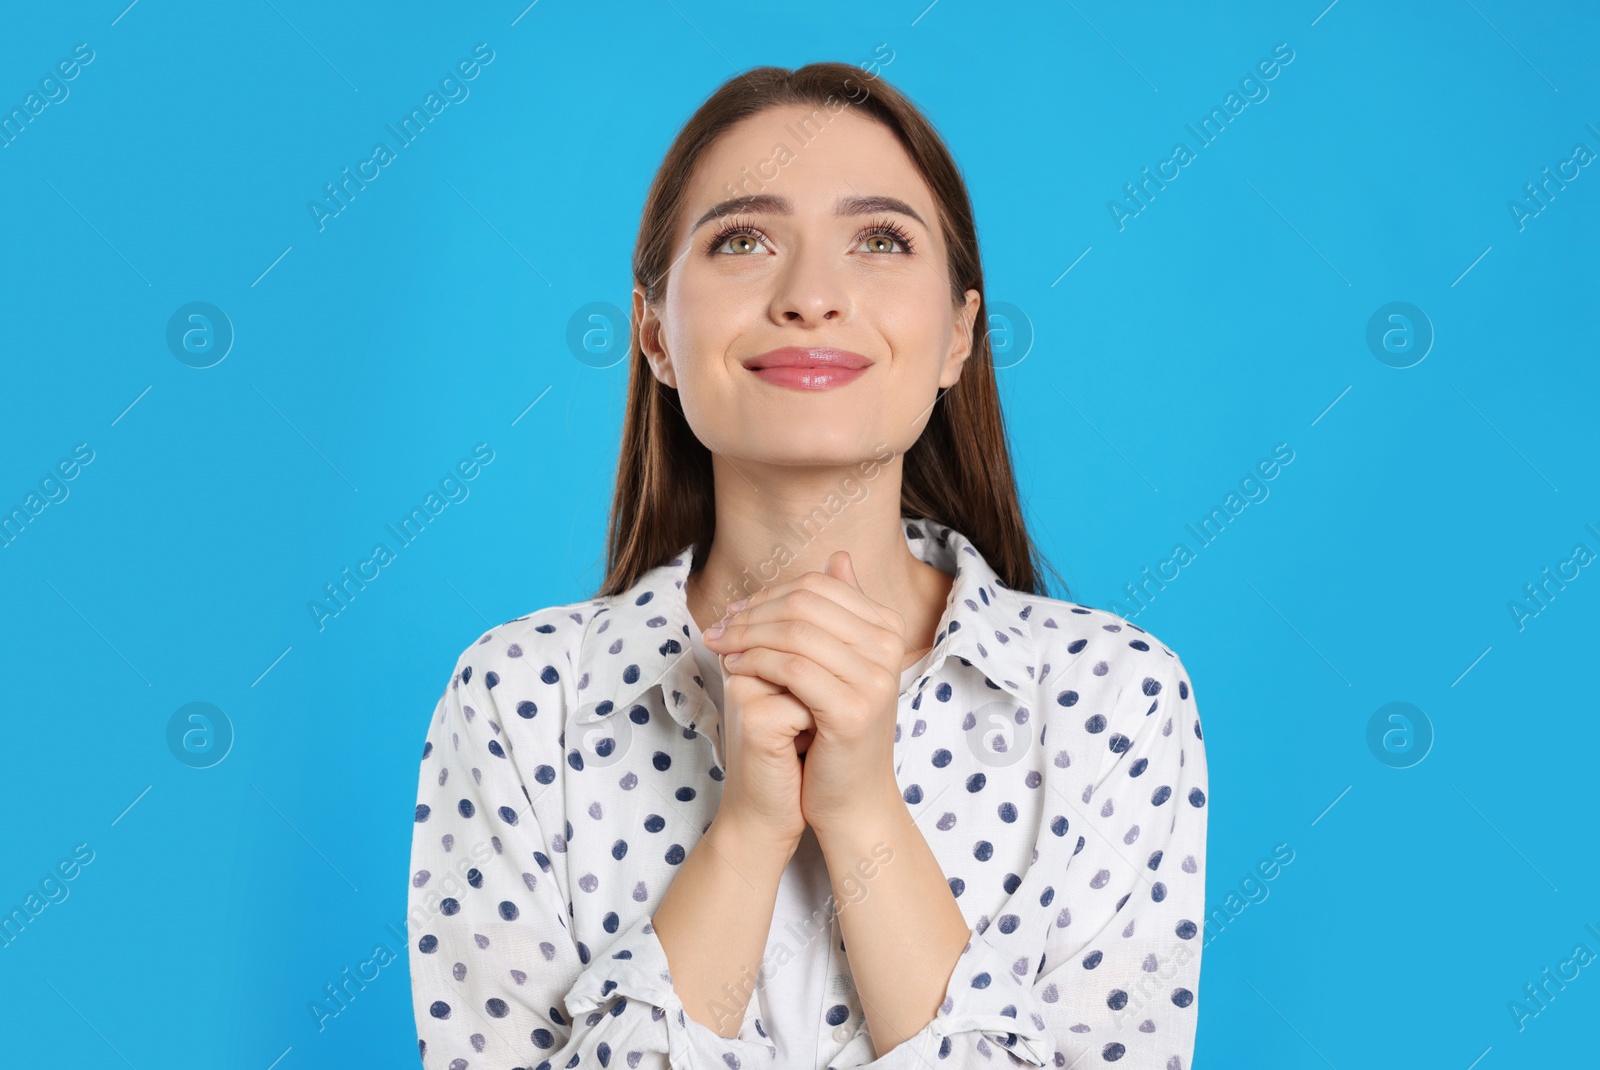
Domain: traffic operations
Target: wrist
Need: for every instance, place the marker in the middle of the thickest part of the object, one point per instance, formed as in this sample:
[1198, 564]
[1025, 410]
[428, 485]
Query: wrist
[745, 844]
[869, 823]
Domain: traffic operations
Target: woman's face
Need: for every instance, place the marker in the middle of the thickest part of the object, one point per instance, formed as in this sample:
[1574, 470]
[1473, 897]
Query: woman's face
[844, 253]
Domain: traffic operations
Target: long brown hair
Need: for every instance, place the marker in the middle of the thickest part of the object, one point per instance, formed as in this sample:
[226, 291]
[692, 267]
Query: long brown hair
[957, 473]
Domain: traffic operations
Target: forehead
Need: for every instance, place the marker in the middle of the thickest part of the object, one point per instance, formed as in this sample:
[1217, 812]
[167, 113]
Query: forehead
[812, 157]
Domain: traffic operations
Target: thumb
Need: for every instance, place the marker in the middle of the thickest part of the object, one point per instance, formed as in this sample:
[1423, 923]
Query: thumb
[841, 567]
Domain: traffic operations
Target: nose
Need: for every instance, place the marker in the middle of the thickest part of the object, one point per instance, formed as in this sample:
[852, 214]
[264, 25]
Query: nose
[811, 289]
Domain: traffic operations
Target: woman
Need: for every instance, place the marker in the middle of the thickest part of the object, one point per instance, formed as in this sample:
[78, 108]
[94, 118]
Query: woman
[820, 778]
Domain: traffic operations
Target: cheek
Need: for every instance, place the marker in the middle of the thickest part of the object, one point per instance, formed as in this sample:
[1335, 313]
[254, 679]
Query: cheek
[703, 340]
[919, 330]
[703, 316]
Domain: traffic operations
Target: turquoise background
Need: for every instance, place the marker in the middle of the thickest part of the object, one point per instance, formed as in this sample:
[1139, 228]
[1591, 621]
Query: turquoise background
[431, 314]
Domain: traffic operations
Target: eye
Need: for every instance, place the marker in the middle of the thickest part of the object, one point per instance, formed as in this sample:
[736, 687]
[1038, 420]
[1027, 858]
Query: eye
[886, 228]
[747, 238]
[741, 231]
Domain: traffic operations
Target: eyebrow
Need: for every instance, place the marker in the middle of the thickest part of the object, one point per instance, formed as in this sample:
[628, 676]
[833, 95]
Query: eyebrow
[771, 202]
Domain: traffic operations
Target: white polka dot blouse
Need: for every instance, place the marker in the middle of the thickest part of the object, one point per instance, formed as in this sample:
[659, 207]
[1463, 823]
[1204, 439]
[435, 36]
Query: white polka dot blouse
[1050, 753]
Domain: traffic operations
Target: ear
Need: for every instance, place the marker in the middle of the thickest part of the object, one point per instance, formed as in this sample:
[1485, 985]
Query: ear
[648, 325]
[961, 340]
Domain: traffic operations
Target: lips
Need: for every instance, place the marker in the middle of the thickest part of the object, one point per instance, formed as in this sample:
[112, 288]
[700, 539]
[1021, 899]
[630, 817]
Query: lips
[799, 368]
[799, 357]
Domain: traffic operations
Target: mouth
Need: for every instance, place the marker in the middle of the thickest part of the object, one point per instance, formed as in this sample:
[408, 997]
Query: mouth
[801, 368]
[799, 357]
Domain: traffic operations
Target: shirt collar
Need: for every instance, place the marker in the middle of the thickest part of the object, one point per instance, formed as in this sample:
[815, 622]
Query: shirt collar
[639, 639]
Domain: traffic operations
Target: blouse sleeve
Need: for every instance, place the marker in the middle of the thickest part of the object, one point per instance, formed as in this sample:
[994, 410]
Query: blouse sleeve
[497, 979]
[1115, 977]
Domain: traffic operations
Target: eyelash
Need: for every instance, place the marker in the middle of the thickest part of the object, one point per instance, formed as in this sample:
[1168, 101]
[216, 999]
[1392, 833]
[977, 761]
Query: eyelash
[882, 226]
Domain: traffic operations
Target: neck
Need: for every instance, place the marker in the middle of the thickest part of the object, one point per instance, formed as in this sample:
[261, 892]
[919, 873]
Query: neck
[766, 538]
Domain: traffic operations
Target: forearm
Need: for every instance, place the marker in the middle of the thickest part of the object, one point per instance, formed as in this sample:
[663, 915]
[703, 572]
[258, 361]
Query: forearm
[714, 920]
[902, 929]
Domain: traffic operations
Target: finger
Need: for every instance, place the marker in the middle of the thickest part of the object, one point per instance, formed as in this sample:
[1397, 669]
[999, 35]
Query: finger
[838, 564]
[851, 598]
[780, 709]
[804, 603]
[810, 683]
[842, 565]
[815, 627]
[764, 687]
[846, 595]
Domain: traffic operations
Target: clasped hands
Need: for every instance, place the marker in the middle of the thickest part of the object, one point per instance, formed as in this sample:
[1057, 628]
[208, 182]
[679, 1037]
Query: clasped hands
[839, 653]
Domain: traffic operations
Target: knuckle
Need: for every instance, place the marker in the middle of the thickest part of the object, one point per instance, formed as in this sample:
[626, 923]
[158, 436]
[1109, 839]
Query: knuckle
[809, 597]
[800, 632]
